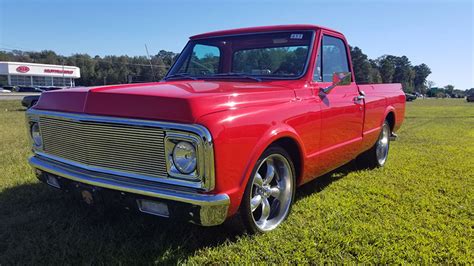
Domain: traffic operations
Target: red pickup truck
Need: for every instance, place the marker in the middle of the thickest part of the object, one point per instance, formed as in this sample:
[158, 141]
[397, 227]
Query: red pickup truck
[242, 118]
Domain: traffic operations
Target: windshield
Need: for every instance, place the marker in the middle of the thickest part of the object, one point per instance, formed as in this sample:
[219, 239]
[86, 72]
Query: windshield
[279, 55]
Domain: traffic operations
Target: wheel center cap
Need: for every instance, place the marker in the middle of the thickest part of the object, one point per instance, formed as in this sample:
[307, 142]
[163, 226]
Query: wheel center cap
[266, 191]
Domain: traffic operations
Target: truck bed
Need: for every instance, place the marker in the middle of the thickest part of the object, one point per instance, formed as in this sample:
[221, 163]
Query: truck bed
[380, 99]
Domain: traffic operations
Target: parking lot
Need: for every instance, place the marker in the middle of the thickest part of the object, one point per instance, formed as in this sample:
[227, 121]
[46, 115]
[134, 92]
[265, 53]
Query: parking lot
[10, 96]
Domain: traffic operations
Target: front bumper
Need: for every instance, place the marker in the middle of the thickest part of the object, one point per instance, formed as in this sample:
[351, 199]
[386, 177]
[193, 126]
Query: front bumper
[203, 209]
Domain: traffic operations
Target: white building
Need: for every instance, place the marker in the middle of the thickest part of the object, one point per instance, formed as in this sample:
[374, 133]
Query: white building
[39, 75]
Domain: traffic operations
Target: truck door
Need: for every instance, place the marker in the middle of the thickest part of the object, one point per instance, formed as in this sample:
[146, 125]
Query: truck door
[342, 113]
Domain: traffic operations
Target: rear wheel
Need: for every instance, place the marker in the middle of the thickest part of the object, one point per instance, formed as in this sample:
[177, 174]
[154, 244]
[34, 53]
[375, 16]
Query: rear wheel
[270, 191]
[378, 154]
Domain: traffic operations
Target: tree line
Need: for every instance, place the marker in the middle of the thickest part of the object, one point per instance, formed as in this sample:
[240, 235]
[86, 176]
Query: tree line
[390, 69]
[102, 70]
[99, 70]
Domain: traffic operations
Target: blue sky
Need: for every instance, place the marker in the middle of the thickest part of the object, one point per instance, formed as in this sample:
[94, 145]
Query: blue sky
[438, 33]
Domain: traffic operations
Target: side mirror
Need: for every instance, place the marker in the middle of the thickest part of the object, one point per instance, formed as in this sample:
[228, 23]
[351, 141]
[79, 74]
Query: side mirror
[338, 79]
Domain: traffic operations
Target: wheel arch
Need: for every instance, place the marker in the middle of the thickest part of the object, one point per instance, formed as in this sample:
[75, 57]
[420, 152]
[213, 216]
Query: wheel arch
[293, 148]
[389, 115]
[289, 140]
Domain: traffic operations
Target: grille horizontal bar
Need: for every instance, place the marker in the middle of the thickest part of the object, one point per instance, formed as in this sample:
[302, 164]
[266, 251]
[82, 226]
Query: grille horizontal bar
[119, 147]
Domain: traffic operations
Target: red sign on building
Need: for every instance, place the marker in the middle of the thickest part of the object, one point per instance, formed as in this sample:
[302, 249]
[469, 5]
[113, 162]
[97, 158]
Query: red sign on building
[59, 71]
[22, 69]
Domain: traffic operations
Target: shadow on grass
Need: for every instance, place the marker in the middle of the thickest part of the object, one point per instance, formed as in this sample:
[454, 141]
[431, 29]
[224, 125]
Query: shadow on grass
[323, 181]
[41, 226]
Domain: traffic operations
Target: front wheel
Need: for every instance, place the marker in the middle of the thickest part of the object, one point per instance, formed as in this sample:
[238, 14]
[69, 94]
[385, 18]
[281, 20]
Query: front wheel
[270, 191]
[378, 154]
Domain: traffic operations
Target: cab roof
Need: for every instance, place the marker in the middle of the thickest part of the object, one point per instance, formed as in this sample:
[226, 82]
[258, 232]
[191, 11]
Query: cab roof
[260, 29]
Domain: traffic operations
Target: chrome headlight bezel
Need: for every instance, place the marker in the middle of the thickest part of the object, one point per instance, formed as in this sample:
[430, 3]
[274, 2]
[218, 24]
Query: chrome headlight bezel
[171, 140]
[34, 132]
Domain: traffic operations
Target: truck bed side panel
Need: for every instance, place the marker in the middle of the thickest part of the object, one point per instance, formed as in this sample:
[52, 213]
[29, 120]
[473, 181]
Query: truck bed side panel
[380, 100]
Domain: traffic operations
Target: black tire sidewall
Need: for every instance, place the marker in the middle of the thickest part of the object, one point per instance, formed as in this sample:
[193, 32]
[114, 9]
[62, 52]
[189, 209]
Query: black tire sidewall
[245, 212]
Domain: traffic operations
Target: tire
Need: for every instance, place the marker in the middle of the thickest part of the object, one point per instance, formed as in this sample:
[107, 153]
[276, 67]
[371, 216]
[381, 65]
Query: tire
[268, 197]
[377, 155]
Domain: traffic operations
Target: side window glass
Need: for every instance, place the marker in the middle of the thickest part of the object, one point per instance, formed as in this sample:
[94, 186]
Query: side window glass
[334, 57]
[204, 60]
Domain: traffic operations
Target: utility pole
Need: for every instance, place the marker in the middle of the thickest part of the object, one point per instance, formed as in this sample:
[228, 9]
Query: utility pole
[151, 65]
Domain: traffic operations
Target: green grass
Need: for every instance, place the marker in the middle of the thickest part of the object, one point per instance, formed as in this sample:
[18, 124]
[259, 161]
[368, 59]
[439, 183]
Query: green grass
[417, 209]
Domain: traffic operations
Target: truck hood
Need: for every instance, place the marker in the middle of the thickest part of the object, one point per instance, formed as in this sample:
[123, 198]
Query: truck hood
[178, 101]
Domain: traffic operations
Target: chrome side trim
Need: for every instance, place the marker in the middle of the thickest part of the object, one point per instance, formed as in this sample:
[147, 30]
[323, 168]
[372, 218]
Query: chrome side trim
[213, 208]
[207, 182]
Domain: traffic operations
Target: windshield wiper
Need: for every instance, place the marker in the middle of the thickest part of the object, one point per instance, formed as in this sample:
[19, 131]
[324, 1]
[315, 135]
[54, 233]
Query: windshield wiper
[218, 75]
[180, 76]
[240, 75]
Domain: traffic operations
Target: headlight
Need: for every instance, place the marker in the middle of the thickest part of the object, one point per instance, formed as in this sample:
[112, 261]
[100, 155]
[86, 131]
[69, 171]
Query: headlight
[36, 135]
[184, 157]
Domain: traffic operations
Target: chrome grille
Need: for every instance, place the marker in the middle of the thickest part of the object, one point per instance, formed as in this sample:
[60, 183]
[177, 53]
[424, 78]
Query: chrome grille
[120, 147]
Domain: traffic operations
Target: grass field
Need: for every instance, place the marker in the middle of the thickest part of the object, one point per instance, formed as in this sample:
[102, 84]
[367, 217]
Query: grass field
[418, 209]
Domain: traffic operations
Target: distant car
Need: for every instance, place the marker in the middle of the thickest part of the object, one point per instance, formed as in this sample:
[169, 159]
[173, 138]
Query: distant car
[27, 89]
[4, 90]
[470, 98]
[410, 97]
[30, 101]
[9, 88]
[50, 88]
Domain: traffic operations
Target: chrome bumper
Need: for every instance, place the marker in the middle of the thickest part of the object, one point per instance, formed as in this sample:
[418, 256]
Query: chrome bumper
[212, 208]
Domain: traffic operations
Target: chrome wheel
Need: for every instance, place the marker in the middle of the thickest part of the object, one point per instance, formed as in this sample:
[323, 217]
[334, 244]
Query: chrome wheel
[271, 193]
[381, 150]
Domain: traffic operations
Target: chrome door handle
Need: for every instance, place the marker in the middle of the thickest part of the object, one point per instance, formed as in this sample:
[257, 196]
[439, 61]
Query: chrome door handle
[359, 98]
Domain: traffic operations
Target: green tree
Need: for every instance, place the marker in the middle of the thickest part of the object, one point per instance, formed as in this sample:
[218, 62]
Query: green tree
[430, 84]
[421, 73]
[361, 65]
[404, 73]
[4, 56]
[87, 66]
[458, 93]
[386, 66]
[122, 69]
[375, 76]
[448, 89]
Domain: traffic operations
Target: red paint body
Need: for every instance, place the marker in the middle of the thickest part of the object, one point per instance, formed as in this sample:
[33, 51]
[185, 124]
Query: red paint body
[244, 117]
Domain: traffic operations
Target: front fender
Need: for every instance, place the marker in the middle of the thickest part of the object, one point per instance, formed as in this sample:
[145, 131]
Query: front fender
[240, 137]
[273, 134]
